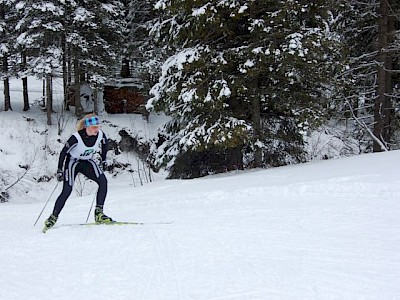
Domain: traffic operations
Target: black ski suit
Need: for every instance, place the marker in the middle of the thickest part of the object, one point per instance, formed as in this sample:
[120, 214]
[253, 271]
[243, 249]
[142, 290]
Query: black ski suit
[87, 167]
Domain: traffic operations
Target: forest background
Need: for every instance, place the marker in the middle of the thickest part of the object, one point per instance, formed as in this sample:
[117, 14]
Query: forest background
[244, 83]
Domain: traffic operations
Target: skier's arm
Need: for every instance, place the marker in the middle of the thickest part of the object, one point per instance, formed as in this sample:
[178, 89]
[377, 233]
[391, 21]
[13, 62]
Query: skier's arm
[104, 148]
[71, 143]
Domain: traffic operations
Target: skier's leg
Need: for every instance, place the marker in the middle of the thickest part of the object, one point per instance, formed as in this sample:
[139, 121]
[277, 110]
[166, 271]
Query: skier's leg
[71, 170]
[93, 172]
[69, 177]
[62, 198]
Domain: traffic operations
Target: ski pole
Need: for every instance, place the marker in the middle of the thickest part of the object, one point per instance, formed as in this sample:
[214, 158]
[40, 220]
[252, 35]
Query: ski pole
[91, 206]
[46, 203]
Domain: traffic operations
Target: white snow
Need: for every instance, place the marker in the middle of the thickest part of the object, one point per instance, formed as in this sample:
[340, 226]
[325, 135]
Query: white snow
[199, 11]
[242, 9]
[321, 230]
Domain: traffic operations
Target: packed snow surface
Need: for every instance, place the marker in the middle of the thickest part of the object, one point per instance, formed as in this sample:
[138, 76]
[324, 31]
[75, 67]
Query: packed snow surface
[323, 230]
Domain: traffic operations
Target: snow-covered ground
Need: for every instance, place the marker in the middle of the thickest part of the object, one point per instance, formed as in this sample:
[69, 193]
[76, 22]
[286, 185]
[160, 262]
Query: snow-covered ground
[320, 230]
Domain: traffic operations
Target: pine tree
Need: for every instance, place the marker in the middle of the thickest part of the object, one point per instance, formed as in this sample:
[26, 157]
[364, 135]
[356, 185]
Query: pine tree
[7, 54]
[40, 28]
[388, 48]
[247, 75]
[81, 37]
[138, 14]
[94, 35]
[373, 48]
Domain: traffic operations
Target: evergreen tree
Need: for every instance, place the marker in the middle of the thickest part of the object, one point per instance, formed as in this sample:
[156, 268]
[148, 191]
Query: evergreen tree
[142, 53]
[388, 48]
[7, 54]
[93, 35]
[247, 76]
[373, 50]
[138, 14]
[40, 29]
[81, 36]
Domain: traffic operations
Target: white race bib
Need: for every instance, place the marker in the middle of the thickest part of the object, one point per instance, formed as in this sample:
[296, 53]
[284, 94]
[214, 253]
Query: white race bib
[83, 152]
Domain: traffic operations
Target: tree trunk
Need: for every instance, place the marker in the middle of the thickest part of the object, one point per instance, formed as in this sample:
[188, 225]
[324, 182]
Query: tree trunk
[49, 99]
[25, 84]
[65, 74]
[256, 118]
[257, 132]
[25, 93]
[388, 104]
[44, 92]
[95, 101]
[381, 103]
[78, 105]
[7, 98]
[125, 70]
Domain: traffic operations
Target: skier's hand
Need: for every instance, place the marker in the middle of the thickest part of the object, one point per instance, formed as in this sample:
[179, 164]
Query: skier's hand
[104, 166]
[60, 175]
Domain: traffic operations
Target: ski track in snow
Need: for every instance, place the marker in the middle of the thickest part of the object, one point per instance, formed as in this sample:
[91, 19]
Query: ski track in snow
[223, 248]
[326, 230]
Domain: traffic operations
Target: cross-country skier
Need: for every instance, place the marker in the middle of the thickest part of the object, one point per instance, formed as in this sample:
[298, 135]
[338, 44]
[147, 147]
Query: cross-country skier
[78, 156]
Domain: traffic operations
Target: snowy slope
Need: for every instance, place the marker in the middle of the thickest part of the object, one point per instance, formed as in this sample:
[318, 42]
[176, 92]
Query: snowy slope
[322, 230]
[326, 230]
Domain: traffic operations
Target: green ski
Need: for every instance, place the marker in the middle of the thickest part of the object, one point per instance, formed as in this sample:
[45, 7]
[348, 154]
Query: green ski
[106, 224]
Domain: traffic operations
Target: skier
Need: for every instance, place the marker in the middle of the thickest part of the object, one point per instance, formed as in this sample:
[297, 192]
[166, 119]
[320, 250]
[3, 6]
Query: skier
[78, 156]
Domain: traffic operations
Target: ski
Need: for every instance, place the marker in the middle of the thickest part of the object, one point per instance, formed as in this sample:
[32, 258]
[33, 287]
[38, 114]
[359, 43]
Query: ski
[107, 224]
[118, 223]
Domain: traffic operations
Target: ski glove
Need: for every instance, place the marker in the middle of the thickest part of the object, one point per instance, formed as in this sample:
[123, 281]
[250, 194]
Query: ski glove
[60, 175]
[104, 166]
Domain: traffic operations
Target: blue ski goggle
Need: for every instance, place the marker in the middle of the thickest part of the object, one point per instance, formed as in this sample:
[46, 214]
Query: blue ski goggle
[92, 121]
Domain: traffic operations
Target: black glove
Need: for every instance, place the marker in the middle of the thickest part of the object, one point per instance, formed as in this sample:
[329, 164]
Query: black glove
[60, 175]
[104, 166]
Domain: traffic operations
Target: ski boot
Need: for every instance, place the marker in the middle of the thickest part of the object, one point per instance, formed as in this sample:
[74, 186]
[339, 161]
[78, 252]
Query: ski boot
[100, 217]
[50, 222]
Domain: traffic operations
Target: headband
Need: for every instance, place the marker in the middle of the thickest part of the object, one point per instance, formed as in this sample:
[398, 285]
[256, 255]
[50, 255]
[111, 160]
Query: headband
[92, 121]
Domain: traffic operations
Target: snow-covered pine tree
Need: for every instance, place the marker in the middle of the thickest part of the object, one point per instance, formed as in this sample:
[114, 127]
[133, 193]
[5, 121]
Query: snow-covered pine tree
[93, 35]
[248, 76]
[373, 45]
[40, 28]
[84, 37]
[140, 51]
[7, 51]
